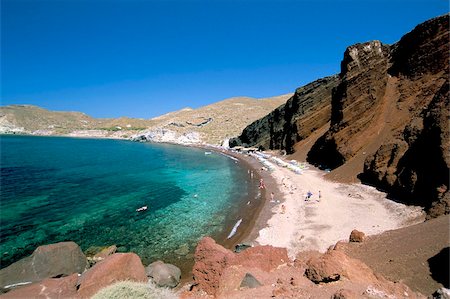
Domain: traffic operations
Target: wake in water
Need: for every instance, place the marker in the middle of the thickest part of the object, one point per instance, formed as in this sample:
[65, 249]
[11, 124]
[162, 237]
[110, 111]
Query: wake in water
[233, 231]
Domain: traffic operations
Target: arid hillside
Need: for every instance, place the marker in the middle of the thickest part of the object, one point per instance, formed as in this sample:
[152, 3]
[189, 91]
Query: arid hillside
[388, 118]
[212, 123]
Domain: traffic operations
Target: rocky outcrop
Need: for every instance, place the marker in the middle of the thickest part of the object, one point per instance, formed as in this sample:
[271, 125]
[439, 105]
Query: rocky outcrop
[391, 107]
[265, 272]
[54, 260]
[164, 275]
[306, 111]
[212, 262]
[116, 267]
[355, 104]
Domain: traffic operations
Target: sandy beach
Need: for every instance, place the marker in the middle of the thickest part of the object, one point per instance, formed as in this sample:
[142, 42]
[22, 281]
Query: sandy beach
[318, 223]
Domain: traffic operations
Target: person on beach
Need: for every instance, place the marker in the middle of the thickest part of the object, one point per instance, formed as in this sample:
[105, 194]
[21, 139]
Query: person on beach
[261, 184]
[283, 209]
[320, 195]
[308, 195]
[272, 195]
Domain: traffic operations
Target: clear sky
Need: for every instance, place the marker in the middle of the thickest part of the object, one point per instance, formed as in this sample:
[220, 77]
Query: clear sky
[143, 58]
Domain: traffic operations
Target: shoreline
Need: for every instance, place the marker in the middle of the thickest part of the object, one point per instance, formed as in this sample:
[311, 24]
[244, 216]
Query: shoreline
[305, 225]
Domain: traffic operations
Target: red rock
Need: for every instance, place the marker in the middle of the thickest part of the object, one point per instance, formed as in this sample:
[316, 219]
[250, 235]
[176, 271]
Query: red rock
[116, 267]
[357, 236]
[49, 288]
[334, 265]
[266, 258]
[210, 261]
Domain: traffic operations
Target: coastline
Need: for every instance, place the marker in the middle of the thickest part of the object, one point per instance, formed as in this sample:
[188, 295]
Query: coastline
[313, 225]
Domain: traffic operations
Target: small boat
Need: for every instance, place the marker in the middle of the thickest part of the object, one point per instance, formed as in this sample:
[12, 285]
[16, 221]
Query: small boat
[142, 209]
[208, 153]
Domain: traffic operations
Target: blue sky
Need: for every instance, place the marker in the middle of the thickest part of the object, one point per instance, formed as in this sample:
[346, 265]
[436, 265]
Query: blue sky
[143, 58]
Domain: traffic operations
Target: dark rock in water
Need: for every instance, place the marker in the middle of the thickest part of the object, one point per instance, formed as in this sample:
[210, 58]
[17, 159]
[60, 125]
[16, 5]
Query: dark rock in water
[64, 287]
[164, 275]
[114, 268]
[122, 249]
[241, 247]
[249, 281]
[54, 260]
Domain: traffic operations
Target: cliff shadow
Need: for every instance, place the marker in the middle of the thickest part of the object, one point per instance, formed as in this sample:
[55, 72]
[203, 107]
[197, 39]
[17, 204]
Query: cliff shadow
[439, 267]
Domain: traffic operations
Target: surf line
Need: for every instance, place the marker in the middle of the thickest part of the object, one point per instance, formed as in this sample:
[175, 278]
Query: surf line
[233, 231]
[232, 158]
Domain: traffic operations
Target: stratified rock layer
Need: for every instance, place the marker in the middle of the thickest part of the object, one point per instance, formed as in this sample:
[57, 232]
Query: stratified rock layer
[306, 111]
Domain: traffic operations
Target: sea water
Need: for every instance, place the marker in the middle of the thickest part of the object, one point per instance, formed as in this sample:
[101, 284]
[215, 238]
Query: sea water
[57, 189]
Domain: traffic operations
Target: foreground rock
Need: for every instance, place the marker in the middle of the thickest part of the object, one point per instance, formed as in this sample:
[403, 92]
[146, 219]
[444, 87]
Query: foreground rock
[265, 271]
[54, 260]
[65, 287]
[164, 275]
[213, 262]
[114, 268]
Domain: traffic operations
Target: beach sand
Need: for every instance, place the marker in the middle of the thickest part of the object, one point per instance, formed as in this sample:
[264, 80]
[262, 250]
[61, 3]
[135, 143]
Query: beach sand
[319, 223]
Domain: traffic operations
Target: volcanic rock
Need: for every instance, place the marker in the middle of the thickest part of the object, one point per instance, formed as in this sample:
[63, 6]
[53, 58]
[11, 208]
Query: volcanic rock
[114, 268]
[164, 275]
[64, 287]
[357, 236]
[306, 111]
[54, 260]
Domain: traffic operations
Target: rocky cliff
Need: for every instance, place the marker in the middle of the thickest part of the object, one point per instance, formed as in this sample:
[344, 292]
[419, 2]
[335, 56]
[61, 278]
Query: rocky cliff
[388, 113]
[306, 111]
[391, 107]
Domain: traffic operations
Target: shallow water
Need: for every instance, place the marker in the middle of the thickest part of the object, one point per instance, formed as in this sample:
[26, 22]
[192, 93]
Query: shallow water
[87, 190]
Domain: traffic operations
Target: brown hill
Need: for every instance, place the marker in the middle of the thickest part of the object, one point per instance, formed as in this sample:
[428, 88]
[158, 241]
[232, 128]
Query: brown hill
[213, 123]
[388, 120]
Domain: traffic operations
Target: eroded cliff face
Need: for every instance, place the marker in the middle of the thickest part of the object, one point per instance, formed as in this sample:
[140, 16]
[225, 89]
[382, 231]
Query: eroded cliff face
[306, 111]
[392, 107]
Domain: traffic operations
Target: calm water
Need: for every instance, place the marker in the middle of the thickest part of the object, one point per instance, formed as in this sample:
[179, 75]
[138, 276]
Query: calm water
[87, 190]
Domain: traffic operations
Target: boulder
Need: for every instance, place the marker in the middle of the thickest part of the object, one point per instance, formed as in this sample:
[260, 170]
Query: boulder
[64, 287]
[116, 267]
[334, 265]
[54, 260]
[357, 236]
[210, 261]
[164, 275]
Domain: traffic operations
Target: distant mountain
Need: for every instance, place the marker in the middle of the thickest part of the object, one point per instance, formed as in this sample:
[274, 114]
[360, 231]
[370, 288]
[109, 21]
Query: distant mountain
[388, 115]
[211, 124]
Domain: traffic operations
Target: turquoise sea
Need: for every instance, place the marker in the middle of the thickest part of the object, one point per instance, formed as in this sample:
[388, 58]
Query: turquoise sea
[87, 190]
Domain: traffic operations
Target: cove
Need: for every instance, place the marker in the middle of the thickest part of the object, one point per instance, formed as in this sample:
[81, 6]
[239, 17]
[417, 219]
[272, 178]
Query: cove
[57, 189]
